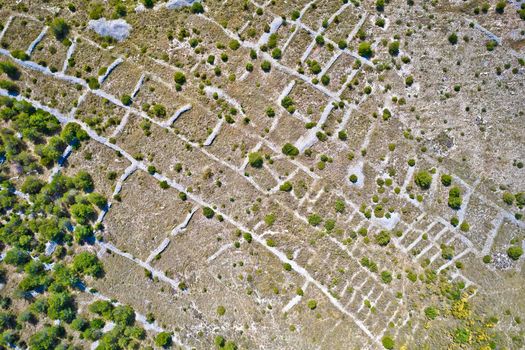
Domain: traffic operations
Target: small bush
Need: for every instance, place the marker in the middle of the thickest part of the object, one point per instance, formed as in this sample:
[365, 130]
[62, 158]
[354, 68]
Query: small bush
[60, 28]
[197, 7]
[446, 180]
[387, 342]
[365, 49]
[383, 238]
[286, 187]
[508, 198]
[515, 252]
[290, 150]
[126, 100]
[208, 212]
[266, 66]
[314, 219]
[255, 159]
[423, 179]
[393, 48]
[453, 38]
[179, 77]
[163, 339]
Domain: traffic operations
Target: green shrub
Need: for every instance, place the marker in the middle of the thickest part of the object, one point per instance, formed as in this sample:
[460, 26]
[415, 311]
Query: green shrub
[221, 310]
[197, 7]
[393, 48]
[60, 28]
[387, 342]
[431, 312]
[266, 66]
[93, 83]
[365, 49]
[286, 186]
[465, 227]
[312, 304]
[491, 45]
[515, 252]
[386, 277]
[163, 339]
[126, 100]
[454, 198]
[500, 6]
[234, 45]
[10, 69]
[453, 38]
[20, 54]
[314, 219]
[508, 198]
[290, 150]
[208, 212]
[446, 180]
[276, 53]
[179, 78]
[423, 179]
[11, 87]
[86, 263]
[255, 159]
[383, 238]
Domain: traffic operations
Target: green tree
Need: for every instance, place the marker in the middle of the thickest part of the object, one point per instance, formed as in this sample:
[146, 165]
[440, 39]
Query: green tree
[86, 263]
[59, 28]
[208, 212]
[82, 213]
[365, 49]
[423, 179]
[46, 339]
[11, 87]
[163, 339]
[255, 159]
[266, 66]
[126, 100]
[123, 315]
[17, 257]
[388, 342]
[393, 48]
[102, 307]
[148, 3]
[453, 38]
[61, 306]
[197, 7]
[179, 77]
[446, 180]
[83, 181]
[508, 198]
[383, 238]
[454, 198]
[290, 150]
[97, 199]
[83, 232]
[32, 185]
[10, 69]
[515, 252]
